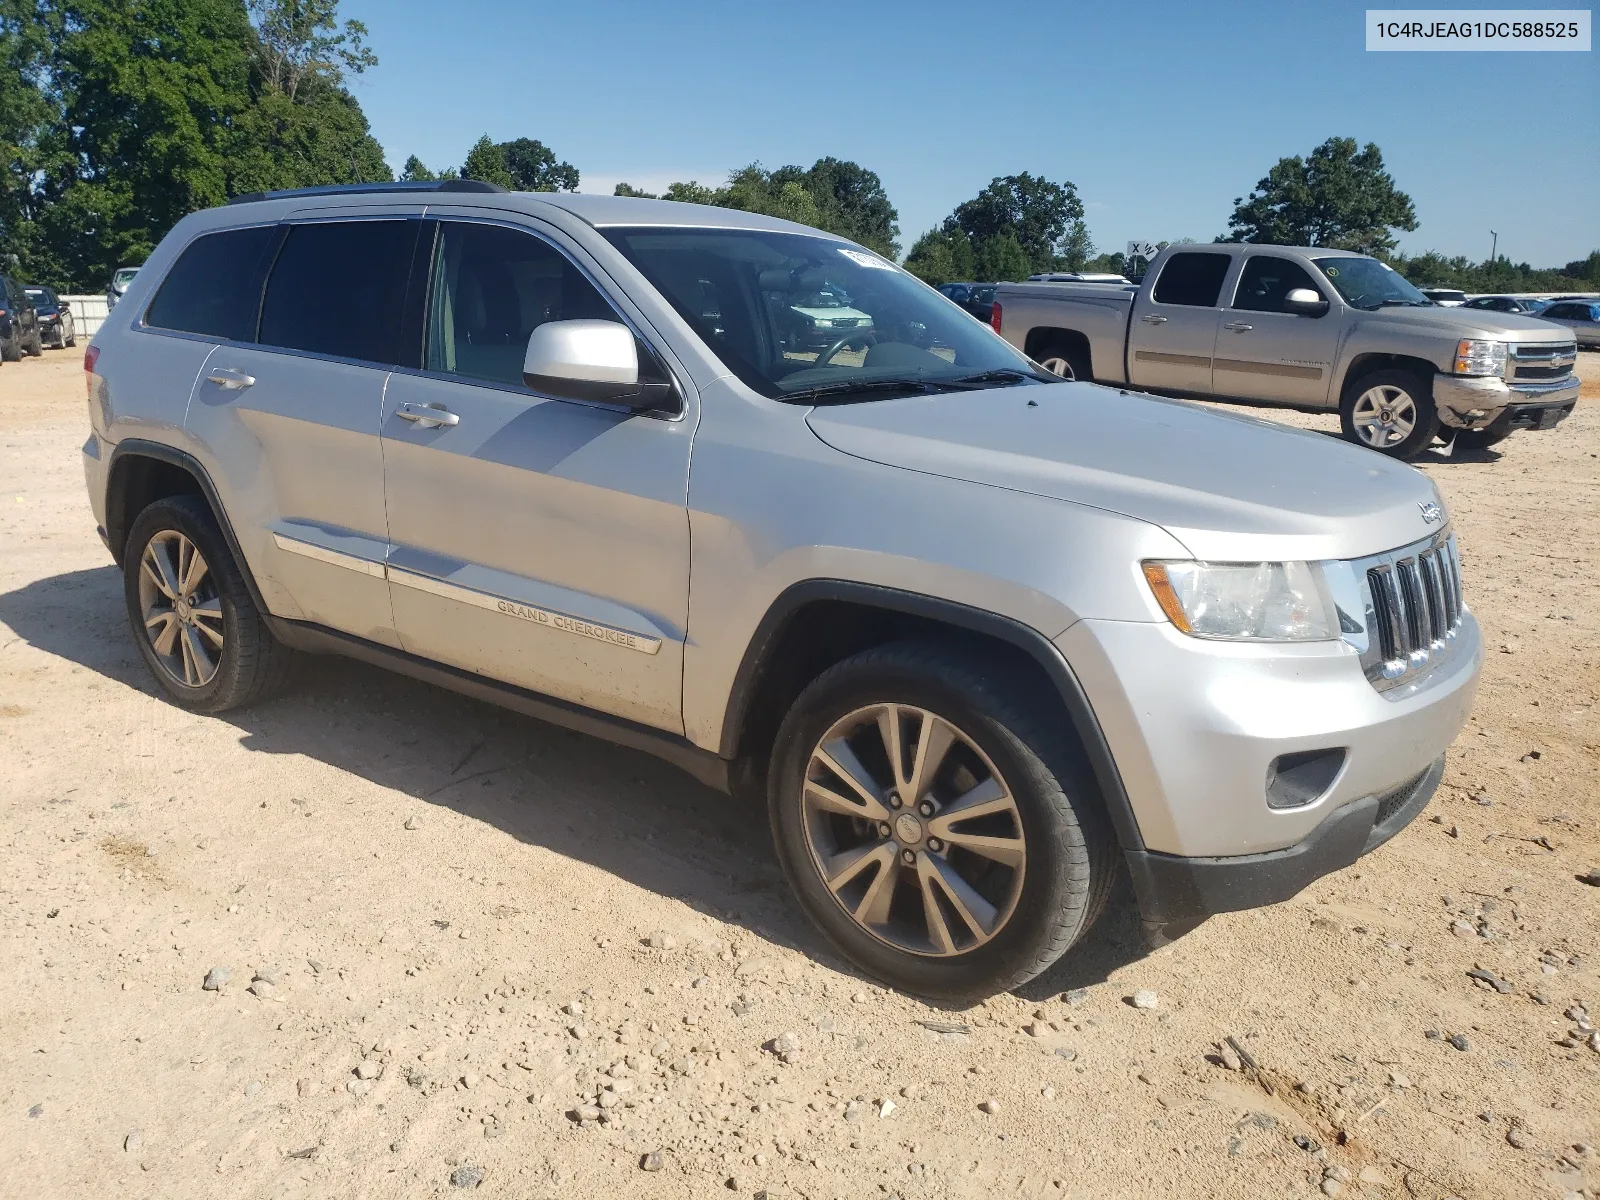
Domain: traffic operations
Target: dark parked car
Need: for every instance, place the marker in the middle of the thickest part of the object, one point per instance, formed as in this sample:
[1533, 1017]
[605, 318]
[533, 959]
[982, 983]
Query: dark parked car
[19, 324]
[976, 298]
[56, 326]
[1508, 304]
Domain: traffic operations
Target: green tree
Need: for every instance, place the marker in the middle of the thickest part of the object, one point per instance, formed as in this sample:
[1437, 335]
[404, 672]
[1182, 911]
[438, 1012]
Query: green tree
[1044, 217]
[1340, 197]
[943, 255]
[302, 43]
[832, 194]
[690, 193]
[487, 162]
[416, 171]
[31, 137]
[627, 189]
[533, 167]
[1001, 259]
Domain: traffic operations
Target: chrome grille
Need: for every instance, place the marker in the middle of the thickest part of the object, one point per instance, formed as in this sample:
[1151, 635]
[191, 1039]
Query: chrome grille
[1543, 361]
[1413, 609]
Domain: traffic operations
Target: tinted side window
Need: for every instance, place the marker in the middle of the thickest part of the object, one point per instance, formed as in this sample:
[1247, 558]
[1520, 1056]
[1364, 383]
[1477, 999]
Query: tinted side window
[1192, 278]
[1266, 280]
[214, 287]
[1564, 311]
[491, 288]
[338, 288]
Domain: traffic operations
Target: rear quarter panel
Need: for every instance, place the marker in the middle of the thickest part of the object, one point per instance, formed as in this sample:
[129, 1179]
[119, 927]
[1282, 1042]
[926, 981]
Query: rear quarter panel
[1098, 311]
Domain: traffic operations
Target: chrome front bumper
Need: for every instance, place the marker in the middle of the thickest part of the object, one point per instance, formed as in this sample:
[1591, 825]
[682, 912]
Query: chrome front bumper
[1472, 402]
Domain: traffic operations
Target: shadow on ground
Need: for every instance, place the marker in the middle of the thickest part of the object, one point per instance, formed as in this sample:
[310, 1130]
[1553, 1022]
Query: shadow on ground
[617, 809]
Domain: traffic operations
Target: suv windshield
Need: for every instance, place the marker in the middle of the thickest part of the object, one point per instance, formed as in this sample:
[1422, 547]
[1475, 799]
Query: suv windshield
[124, 276]
[1368, 283]
[762, 303]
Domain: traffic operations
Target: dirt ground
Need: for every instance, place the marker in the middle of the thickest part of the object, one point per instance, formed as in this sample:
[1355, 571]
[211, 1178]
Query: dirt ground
[474, 924]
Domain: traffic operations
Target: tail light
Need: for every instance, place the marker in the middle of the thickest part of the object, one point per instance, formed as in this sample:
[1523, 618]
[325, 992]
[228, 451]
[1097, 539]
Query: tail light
[91, 355]
[994, 316]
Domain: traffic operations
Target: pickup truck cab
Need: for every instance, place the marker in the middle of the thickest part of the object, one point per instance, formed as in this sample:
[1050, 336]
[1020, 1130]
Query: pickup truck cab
[1308, 328]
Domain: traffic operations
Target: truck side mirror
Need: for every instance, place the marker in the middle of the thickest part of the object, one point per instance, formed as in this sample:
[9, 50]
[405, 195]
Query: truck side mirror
[1305, 302]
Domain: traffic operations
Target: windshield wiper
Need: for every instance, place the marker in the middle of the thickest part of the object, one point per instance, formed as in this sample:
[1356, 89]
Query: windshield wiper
[1405, 303]
[827, 391]
[1001, 375]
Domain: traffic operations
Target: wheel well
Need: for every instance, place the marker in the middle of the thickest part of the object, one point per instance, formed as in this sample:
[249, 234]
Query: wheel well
[823, 632]
[1366, 364]
[138, 481]
[1040, 341]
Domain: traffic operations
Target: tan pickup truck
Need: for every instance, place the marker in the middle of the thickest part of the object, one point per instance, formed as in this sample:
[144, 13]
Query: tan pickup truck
[1306, 328]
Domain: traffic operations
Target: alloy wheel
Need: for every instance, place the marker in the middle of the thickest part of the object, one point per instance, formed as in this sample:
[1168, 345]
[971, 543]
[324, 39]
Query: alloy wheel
[913, 830]
[1384, 416]
[1057, 365]
[181, 609]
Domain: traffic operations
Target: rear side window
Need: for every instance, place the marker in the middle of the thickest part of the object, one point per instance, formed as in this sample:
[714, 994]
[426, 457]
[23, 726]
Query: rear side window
[215, 285]
[1266, 280]
[339, 288]
[1192, 278]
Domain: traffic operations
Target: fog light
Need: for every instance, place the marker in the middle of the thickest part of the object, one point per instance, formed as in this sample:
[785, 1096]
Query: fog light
[1296, 780]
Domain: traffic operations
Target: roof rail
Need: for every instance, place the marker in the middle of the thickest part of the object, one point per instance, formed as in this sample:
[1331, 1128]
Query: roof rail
[357, 189]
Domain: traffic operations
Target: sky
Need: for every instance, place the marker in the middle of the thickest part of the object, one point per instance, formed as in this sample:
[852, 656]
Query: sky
[1161, 114]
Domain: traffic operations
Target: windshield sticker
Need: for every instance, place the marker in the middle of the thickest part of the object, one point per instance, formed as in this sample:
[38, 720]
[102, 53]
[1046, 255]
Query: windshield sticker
[1332, 272]
[863, 259]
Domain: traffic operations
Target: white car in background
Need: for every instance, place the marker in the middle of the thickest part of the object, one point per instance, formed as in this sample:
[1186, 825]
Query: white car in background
[1445, 297]
[820, 319]
[120, 279]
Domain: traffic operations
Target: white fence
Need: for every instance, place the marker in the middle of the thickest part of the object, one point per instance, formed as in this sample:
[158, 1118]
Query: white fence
[87, 313]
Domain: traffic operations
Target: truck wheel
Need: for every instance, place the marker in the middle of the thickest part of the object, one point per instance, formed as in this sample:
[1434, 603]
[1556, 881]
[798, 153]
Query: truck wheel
[932, 826]
[1391, 412]
[1492, 434]
[200, 633]
[1067, 360]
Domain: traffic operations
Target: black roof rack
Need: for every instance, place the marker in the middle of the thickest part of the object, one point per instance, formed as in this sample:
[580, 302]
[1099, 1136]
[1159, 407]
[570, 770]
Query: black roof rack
[357, 189]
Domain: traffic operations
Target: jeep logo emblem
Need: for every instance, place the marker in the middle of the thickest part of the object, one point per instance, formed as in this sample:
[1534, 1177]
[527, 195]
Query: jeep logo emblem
[1432, 513]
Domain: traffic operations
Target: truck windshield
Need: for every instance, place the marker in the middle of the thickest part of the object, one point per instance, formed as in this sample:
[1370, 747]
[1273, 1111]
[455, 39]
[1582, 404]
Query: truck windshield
[760, 300]
[1368, 283]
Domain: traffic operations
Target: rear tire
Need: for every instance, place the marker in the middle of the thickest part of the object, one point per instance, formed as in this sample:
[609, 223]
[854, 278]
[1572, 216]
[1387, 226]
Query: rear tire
[1066, 359]
[1390, 411]
[11, 348]
[212, 651]
[35, 346]
[1035, 866]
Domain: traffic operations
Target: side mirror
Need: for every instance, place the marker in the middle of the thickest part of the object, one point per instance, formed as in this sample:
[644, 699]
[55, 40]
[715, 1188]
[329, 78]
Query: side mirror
[596, 361]
[1305, 302]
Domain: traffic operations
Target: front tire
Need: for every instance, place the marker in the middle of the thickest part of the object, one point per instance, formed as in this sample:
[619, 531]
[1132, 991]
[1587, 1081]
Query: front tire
[1492, 434]
[11, 348]
[1391, 412]
[35, 346]
[200, 633]
[935, 831]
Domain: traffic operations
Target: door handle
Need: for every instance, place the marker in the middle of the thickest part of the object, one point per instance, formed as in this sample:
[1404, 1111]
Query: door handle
[1239, 327]
[231, 380]
[429, 416]
[1153, 319]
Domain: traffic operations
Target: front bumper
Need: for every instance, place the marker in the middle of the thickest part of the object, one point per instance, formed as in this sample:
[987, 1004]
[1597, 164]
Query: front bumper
[1474, 401]
[1176, 893]
[1198, 729]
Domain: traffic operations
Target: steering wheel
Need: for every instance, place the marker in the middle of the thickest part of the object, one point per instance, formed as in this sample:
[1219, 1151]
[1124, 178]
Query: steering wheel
[847, 339]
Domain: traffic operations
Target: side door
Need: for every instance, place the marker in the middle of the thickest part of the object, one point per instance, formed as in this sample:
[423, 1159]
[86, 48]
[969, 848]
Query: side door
[1265, 352]
[1174, 331]
[291, 422]
[540, 541]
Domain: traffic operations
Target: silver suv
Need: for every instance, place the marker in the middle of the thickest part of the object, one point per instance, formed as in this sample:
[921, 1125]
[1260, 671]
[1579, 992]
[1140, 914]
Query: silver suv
[981, 639]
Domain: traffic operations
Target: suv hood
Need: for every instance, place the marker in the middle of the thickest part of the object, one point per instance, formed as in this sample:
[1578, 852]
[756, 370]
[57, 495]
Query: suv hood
[1228, 487]
[1468, 322]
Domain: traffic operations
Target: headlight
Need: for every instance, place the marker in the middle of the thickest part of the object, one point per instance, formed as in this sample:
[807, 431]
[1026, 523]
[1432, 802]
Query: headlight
[1480, 358]
[1249, 602]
